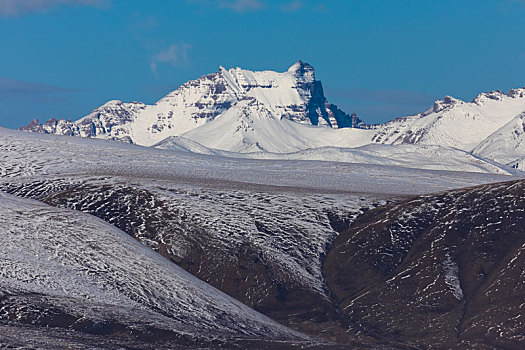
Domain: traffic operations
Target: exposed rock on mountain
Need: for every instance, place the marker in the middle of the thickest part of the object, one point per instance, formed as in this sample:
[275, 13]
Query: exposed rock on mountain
[294, 95]
[108, 121]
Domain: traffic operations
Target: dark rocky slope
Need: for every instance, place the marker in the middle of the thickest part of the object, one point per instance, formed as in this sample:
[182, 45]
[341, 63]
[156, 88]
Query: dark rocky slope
[440, 271]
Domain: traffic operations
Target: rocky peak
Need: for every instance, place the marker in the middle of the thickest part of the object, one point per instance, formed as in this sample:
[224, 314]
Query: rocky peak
[516, 93]
[440, 105]
[33, 126]
[496, 95]
[293, 94]
[303, 70]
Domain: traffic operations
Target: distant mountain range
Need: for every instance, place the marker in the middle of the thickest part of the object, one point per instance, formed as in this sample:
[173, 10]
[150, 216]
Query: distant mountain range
[241, 111]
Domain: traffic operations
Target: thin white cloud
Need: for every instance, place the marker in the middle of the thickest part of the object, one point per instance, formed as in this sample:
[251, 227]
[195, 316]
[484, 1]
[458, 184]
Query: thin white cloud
[241, 5]
[233, 5]
[11, 87]
[174, 55]
[9, 8]
[292, 6]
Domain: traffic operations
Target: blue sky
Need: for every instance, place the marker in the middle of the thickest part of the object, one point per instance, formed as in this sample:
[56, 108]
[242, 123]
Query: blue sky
[380, 59]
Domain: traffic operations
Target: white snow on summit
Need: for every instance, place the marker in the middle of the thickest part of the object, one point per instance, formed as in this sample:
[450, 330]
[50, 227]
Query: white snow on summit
[293, 95]
[455, 123]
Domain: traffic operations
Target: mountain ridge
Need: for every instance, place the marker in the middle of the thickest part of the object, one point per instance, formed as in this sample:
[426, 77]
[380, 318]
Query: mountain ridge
[242, 111]
[453, 122]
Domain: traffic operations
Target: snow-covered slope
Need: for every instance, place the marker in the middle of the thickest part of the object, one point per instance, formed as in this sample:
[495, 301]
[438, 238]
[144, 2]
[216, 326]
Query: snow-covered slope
[70, 259]
[507, 144]
[406, 155]
[35, 156]
[293, 95]
[252, 127]
[455, 123]
[410, 156]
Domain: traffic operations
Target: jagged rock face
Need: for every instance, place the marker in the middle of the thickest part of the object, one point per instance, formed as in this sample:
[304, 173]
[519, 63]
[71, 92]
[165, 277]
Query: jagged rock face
[293, 95]
[108, 121]
[441, 271]
[320, 112]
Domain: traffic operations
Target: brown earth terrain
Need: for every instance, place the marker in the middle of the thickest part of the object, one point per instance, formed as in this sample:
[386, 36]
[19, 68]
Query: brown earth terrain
[435, 271]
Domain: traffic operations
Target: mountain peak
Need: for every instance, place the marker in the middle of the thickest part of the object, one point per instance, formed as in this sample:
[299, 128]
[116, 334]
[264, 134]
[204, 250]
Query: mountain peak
[113, 103]
[441, 105]
[496, 95]
[299, 65]
[303, 69]
[516, 93]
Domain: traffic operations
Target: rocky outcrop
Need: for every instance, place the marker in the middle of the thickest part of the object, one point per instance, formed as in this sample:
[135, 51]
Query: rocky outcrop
[110, 121]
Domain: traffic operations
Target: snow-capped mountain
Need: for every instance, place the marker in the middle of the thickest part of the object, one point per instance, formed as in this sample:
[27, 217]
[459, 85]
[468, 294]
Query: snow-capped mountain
[449, 123]
[455, 123]
[294, 95]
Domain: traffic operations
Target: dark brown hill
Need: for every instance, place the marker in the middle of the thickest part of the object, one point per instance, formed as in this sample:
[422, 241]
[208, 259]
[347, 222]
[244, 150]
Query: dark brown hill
[441, 271]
